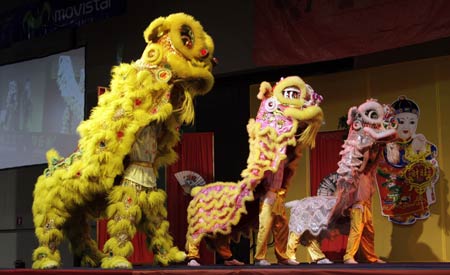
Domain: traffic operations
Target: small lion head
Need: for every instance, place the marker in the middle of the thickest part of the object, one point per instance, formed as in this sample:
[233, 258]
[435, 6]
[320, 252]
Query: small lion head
[297, 100]
[374, 118]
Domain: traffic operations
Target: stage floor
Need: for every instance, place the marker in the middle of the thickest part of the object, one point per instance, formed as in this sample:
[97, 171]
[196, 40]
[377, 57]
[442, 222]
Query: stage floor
[366, 269]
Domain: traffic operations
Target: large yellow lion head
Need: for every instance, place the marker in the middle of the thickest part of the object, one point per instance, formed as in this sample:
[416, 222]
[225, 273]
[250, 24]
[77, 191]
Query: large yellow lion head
[179, 43]
[180, 52]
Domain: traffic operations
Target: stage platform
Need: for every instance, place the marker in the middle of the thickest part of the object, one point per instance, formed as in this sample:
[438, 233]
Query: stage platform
[366, 269]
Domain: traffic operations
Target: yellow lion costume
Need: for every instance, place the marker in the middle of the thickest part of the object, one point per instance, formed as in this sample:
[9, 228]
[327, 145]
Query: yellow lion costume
[128, 136]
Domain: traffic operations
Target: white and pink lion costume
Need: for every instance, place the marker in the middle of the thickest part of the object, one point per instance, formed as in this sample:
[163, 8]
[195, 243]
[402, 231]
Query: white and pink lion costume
[371, 126]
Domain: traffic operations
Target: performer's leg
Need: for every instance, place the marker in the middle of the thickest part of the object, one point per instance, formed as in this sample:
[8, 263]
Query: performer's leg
[312, 245]
[316, 254]
[124, 214]
[82, 245]
[49, 235]
[265, 228]
[292, 244]
[368, 240]
[354, 238]
[49, 215]
[222, 246]
[193, 253]
[280, 230]
[157, 228]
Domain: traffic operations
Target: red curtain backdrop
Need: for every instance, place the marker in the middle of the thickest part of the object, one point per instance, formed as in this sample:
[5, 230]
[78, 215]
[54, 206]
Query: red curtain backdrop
[292, 32]
[196, 153]
[325, 156]
[323, 161]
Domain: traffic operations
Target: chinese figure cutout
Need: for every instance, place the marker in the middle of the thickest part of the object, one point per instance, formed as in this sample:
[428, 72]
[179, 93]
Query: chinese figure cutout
[407, 187]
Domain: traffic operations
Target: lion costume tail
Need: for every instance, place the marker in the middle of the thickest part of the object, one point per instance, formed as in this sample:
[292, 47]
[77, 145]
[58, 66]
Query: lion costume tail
[216, 208]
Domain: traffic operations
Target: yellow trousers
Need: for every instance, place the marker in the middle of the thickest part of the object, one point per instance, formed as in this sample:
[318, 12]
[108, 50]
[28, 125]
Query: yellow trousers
[220, 244]
[276, 224]
[192, 251]
[361, 234]
[313, 248]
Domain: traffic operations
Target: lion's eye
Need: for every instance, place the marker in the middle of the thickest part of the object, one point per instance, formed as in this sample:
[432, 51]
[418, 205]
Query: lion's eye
[291, 93]
[372, 114]
[187, 37]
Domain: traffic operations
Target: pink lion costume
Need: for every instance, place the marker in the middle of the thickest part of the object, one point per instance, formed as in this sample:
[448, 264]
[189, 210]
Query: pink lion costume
[371, 126]
[276, 140]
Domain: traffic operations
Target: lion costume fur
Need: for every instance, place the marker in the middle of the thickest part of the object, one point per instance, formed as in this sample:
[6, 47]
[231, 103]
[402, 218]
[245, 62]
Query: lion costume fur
[158, 90]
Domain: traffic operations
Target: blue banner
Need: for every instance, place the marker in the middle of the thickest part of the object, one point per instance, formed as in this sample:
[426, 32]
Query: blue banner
[43, 17]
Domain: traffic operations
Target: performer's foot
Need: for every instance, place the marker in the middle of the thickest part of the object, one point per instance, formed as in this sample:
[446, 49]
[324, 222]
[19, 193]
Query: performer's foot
[116, 262]
[45, 264]
[193, 262]
[233, 262]
[379, 261]
[324, 261]
[350, 261]
[44, 258]
[289, 262]
[122, 265]
[262, 262]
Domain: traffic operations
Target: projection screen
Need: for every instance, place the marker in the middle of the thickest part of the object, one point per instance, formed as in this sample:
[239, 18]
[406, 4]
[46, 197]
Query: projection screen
[42, 101]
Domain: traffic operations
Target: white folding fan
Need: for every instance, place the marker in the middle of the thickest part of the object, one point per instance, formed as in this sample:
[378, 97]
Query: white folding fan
[327, 185]
[188, 180]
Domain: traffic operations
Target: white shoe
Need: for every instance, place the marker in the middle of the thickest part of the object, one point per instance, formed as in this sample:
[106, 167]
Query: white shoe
[262, 263]
[193, 262]
[324, 261]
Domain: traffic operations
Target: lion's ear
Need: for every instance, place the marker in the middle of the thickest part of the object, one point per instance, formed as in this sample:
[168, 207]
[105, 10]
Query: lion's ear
[265, 90]
[352, 112]
[154, 30]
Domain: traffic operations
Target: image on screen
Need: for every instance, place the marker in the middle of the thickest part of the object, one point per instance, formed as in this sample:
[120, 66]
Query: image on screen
[41, 104]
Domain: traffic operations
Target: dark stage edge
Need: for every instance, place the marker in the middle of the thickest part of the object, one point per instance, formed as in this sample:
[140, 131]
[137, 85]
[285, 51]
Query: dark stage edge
[366, 269]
